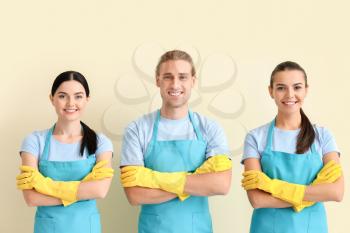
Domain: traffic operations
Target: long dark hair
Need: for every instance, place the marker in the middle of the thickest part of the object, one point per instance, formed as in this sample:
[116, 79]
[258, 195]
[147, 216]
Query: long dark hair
[306, 135]
[89, 136]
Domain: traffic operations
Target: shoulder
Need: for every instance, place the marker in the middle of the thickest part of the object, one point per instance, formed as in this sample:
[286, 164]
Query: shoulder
[259, 132]
[322, 133]
[101, 138]
[142, 122]
[205, 122]
[36, 136]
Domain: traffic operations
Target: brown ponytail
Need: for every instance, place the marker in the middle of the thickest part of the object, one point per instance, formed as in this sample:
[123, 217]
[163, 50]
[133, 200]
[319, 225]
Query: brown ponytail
[306, 135]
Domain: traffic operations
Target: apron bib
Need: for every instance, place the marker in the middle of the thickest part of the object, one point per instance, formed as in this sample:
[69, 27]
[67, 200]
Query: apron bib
[174, 216]
[80, 217]
[293, 168]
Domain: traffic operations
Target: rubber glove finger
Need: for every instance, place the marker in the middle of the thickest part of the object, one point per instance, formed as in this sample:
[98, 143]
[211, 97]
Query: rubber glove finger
[103, 176]
[128, 184]
[128, 179]
[328, 166]
[104, 170]
[249, 187]
[25, 168]
[129, 168]
[250, 177]
[128, 173]
[24, 181]
[101, 164]
[251, 172]
[250, 182]
[24, 175]
[25, 186]
[331, 169]
[332, 177]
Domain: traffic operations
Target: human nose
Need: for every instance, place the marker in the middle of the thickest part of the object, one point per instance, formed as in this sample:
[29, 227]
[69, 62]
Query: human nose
[175, 82]
[290, 92]
[70, 101]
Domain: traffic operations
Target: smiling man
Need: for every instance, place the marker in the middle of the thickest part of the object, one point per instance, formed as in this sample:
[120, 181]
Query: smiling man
[173, 159]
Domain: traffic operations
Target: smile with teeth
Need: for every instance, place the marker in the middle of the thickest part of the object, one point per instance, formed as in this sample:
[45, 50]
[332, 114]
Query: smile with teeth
[289, 102]
[70, 110]
[175, 93]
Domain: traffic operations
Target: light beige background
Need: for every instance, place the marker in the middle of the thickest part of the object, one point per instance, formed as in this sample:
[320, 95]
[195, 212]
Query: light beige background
[40, 39]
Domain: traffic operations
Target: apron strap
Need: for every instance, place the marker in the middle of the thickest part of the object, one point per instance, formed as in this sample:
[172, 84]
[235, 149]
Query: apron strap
[195, 127]
[45, 155]
[155, 127]
[270, 136]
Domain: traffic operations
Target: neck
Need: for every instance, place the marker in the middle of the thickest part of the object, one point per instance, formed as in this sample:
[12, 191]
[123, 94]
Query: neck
[288, 121]
[174, 113]
[72, 128]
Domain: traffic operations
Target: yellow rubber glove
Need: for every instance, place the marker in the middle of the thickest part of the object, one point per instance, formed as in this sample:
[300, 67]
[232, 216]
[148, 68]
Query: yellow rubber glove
[173, 182]
[32, 178]
[330, 172]
[100, 172]
[289, 192]
[216, 163]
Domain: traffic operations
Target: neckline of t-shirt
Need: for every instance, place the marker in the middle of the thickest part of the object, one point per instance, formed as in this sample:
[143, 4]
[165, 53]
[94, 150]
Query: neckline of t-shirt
[287, 130]
[174, 121]
[64, 143]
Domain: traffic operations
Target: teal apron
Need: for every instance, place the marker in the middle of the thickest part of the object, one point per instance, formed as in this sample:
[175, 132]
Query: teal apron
[293, 168]
[80, 217]
[174, 216]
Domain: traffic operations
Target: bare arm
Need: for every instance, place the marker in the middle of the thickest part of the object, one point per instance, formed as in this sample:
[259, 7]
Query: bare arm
[326, 192]
[86, 190]
[209, 184]
[260, 199]
[139, 195]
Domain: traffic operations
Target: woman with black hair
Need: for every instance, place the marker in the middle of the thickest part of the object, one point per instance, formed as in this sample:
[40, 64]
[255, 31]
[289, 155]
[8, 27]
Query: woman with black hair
[59, 173]
[291, 166]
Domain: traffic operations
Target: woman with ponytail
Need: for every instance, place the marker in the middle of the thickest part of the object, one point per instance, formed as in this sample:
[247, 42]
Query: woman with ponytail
[65, 168]
[291, 166]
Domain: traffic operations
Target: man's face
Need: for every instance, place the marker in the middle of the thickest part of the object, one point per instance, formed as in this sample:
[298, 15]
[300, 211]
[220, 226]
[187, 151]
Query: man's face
[175, 82]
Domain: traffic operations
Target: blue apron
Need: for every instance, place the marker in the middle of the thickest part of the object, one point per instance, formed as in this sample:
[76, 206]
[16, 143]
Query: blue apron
[293, 168]
[174, 216]
[80, 217]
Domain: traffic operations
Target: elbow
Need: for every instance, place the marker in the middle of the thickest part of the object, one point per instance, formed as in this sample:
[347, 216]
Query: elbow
[223, 184]
[101, 193]
[338, 196]
[255, 200]
[30, 199]
[133, 200]
[223, 188]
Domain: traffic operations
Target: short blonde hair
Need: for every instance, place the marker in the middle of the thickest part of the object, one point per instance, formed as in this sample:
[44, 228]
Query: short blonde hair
[175, 55]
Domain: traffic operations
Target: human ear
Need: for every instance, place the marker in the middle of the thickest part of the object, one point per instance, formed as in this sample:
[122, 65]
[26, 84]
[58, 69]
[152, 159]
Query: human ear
[270, 91]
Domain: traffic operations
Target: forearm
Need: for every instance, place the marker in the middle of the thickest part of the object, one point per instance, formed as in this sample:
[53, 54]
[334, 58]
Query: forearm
[33, 198]
[93, 189]
[140, 195]
[260, 199]
[208, 184]
[325, 192]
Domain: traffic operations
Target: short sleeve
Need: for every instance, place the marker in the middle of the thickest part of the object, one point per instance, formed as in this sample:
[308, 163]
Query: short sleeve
[31, 145]
[216, 140]
[250, 147]
[131, 153]
[104, 144]
[327, 142]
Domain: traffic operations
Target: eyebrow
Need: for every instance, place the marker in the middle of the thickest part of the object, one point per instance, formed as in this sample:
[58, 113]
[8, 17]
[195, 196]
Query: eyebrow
[281, 84]
[172, 74]
[77, 93]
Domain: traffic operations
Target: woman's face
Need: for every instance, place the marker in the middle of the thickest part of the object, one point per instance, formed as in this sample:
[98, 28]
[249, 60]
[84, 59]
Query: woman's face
[289, 91]
[69, 100]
